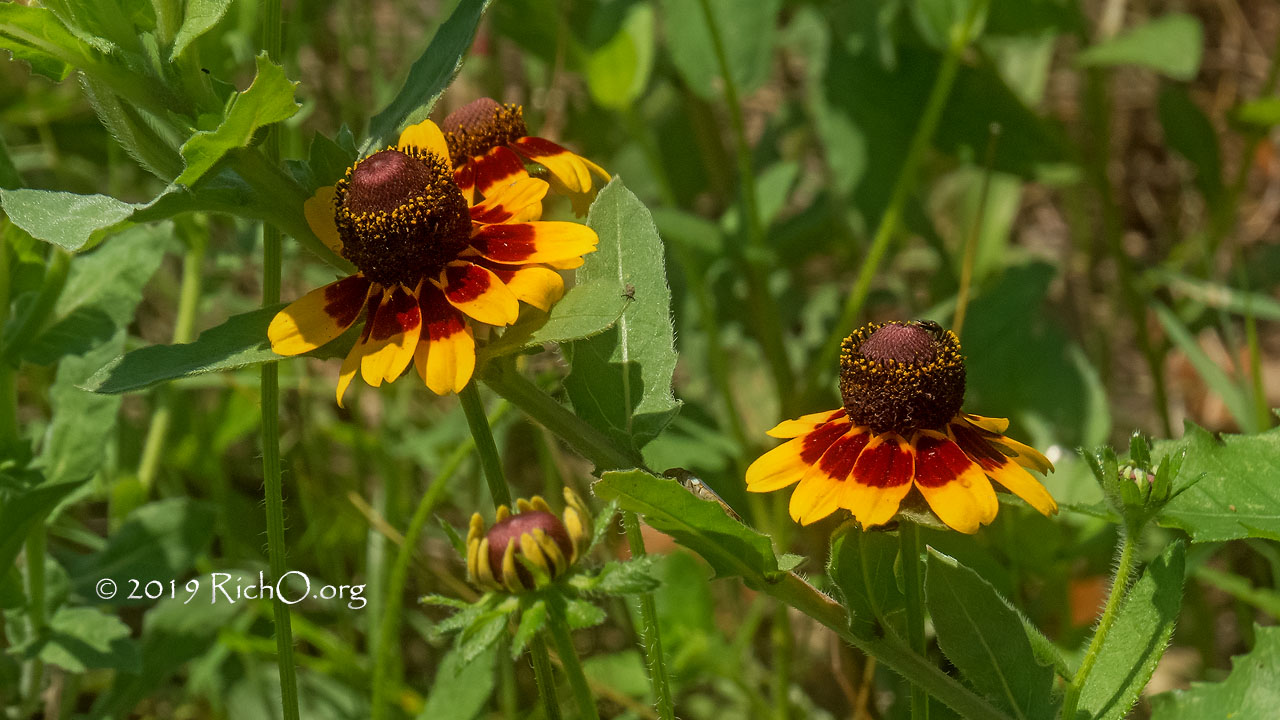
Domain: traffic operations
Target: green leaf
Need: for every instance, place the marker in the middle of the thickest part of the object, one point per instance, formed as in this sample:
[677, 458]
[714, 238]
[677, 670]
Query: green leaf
[481, 635]
[1171, 44]
[623, 578]
[583, 614]
[82, 639]
[587, 309]
[429, 75]
[1222, 297]
[1138, 638]
[22, 511]
[201, 15]
[937, 20]
[36, 36]
[83, 424]
[65, 219]
[621, 379]
[982, 635]
[861, 566]
[136, 132]
[269, 99]
[173, 633]
[1263, 113]
[1188, 130]
[532, 620]
[158, 541]
[1252, 690]
[732, 549]
[461, 688]
[1235, 496]
[747, 32]
[1232, 395]
[618, 71]
[239, 342]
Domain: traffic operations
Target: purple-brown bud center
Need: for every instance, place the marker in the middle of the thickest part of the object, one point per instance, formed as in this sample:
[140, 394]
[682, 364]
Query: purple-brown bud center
[906, 344]
[526, 522]
[481, 125]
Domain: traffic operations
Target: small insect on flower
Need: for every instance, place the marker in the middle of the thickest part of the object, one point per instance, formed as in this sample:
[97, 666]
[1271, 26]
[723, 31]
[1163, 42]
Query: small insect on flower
[430, 263]
[489, 144]
[694, 485]
[901, 429]
[528, 549]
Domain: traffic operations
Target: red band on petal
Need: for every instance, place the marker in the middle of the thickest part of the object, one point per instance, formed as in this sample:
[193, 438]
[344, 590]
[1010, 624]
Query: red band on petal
[822, 437]
[837, 462]
[505, 243]
[536, 147]
[464, 283]
[497, 166]
[438, 316]
[939, 461]
[398, 313]
[977, 447]
[888, 464]
[344, 299]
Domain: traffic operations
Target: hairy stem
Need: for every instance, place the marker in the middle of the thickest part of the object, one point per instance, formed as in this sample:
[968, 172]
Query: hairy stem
[544, 677]
[913, 582]
[473, 408]
[1119, 586]
[558, 628]
[649, 627]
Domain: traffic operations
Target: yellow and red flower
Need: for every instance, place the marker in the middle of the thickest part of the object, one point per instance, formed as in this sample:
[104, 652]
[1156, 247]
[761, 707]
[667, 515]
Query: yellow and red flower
[901, 428]
[430, 263]
[489, 144]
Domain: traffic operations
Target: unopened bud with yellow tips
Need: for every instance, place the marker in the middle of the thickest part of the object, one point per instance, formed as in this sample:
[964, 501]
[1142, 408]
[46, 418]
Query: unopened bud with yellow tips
[530, 548]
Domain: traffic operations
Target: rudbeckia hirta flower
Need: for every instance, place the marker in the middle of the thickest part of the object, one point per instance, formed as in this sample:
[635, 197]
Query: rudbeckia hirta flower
[489, 144]
[430, 263]
[500, 557]
[901, 428]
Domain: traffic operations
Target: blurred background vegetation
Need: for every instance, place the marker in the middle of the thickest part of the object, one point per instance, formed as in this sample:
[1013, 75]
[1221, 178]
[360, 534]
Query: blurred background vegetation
[1111, 162]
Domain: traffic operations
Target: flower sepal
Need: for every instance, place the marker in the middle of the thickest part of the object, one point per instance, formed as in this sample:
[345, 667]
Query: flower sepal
[1138, 488]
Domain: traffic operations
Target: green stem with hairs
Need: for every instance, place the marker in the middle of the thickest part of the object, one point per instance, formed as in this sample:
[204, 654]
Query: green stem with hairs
[913, 583]
[649, 627]
[767, 325]
[473, 408]
[902, 189]
[270, 395]
[544, 677]
[1119, 586]
[558, 628]
[386, 668]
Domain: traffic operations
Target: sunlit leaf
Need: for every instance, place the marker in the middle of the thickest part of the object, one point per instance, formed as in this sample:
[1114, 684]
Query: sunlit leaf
[1235, 495]
[1137, 639]
[746, 31]
[1171, 44]
[1252, 690]
[982, 635]
[200, 17]
[732, 549]
[861, 566]
[621, 378]
[84, 638]
[269, 99]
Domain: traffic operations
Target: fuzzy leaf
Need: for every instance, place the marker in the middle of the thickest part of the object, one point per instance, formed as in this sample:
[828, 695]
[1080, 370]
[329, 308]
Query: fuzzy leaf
[200, 17]
[461, 688]
[269, 99]
[81, 639]
[621, 379]
[1236, 496]
[532, 620]
[1137, 639]
[982, 635]
[1252, 690]
[36, 36]
[732, 549]
[861, 566]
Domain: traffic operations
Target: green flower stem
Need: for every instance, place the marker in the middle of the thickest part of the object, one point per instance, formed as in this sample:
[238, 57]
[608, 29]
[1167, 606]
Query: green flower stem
[782, 641]
[544, 677]
[272, 479]
[599, 449]
[188, 303]
[386, 667]
[913, 582]
[592, 444]
[649, 627]
[971, 240]
[886, 648]
[558, 628]
[767, 325]
[902, 188]
[473, 408]
[1130, 534]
